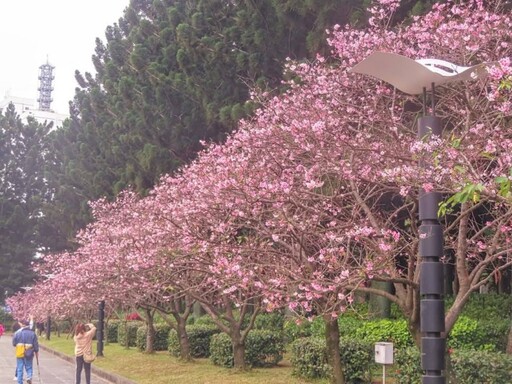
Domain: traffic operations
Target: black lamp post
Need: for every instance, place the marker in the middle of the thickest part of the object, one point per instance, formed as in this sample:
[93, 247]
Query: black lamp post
[48, 327]
[101, 327]
[414, 77]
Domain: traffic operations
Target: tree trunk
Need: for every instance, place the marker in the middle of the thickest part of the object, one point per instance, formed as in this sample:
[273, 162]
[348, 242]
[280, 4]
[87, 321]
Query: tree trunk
[197, 310]
[150, 335]
[415, 330]
[183, 339]
[449, 273]
[332, 338]
[380, 306]
[238, 350]
[127, 338]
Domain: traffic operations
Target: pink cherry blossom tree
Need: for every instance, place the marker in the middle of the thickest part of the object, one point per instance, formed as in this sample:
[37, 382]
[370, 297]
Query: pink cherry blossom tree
[316, 196]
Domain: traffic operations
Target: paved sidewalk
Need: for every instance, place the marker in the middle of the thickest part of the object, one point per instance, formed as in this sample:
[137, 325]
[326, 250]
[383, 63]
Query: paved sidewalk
[53, 367]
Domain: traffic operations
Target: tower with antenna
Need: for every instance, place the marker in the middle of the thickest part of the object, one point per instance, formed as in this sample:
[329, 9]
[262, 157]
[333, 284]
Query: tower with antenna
[45, 86]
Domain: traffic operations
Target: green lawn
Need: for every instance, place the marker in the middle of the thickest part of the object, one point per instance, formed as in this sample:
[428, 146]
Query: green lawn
[161, 368]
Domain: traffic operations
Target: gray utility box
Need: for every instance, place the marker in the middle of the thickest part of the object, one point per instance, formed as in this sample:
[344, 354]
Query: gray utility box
[384, 353]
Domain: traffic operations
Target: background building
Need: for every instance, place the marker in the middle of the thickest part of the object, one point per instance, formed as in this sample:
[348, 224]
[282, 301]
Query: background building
[39, 109]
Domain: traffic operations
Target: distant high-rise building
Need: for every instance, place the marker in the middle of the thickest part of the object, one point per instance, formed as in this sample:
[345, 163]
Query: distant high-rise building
[26, 107]
[45, 88]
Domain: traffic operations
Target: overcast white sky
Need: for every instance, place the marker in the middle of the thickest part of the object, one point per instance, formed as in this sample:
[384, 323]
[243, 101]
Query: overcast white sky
[60, 31]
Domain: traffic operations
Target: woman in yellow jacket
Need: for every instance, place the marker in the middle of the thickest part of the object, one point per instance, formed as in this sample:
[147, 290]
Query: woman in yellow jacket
[84, 334]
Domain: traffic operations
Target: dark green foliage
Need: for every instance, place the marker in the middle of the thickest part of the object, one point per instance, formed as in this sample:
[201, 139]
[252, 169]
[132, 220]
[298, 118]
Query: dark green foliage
[203, 320]
[221, 350]
[469, 367]
[161, 341]
[357, 359]
[6, 318]
[395, 331]
[262, 348]
[348, 325]
[496, 333]
[468, 333]
[24, 151]
[407, 365]
[174, 344]
[476, 367]
[488, 306]
[169, 75]
[112, 331]
[309, 358]
[270, 321]
[295, 328]
[199, 337]
[127, 333]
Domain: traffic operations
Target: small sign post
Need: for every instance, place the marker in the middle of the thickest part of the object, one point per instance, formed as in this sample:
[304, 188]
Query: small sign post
[384, 356]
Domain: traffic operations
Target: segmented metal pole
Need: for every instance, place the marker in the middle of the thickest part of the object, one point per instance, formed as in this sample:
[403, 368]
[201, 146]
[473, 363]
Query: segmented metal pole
[433, 343]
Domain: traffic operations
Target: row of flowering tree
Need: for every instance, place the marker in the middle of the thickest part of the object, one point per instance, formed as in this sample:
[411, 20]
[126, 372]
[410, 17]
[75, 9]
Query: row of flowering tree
[315, 197]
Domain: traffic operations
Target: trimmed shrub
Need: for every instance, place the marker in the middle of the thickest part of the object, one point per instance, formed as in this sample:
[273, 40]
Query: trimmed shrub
[495, 333]
[199, 338]
[465, 335]
[488, 306]
[477, 367]
[161, 342]
[204, 320]
[262, 348]
[221, 350]
[296, 328]
[64, 326]
[394, 331]
[472, 334]
[469, 367]
[357, 359]
[309, 358]
[270, 321]
[408, 365]
[348, 325]
[112, 331]
[127, 333]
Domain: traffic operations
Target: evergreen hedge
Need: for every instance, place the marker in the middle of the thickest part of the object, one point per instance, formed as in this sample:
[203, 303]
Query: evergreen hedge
[199, 337]
[263, 348]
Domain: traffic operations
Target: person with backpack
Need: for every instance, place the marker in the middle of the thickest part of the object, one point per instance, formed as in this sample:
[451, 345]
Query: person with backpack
[26, 344]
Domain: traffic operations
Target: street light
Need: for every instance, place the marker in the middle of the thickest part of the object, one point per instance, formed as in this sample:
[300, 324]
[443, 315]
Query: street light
[101, 326]
[413, 77]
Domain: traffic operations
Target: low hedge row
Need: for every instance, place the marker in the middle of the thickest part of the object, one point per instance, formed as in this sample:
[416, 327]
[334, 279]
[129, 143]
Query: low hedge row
[471, 339]
[309, 360]
[468, 367]
[199, 337]
[467, 333]
[161, 341]
[262, 349]
[127, 333]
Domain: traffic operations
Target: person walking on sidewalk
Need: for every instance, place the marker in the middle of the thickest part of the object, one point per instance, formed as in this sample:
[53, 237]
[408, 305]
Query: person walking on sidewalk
[15, 328]
[83, 343]
[26, 344]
